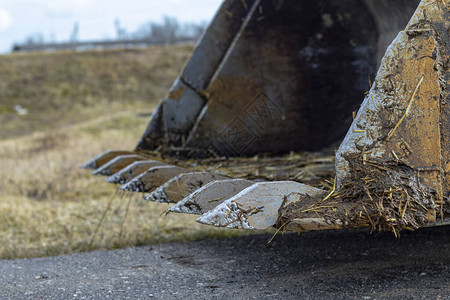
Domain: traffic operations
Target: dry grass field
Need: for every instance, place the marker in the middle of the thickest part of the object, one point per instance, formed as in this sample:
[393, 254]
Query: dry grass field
[78, 105]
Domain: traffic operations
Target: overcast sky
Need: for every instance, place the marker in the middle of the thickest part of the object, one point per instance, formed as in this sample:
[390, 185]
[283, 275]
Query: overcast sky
[55, 19]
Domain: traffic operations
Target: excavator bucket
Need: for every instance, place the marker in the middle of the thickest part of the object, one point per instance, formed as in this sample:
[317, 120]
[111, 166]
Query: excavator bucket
[275, 76]
[279, 77]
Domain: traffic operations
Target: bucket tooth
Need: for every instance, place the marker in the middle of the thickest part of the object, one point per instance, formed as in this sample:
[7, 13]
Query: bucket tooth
[152, 178]
[117, 164]
[134, 169]
[181, 186]
[103, 158]
[256, 207]
[210, 195]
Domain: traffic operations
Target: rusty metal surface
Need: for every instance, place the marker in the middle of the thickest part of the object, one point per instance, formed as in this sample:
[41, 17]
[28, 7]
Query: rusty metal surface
[152, 178]
[253, 103]
[179, 110]
[181, 186]
[245, 100]
[441, 30]
[398, 133]
[133, 170]
[117, 164]
[210, 195]
[405, 115]
[103, 158]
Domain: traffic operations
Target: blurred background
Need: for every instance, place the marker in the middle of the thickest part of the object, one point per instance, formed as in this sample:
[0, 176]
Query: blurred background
[78, 77]
[25, 22]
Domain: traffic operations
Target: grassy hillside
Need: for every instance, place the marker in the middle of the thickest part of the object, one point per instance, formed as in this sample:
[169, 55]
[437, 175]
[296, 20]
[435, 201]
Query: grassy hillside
[68, 87]
[78, 105]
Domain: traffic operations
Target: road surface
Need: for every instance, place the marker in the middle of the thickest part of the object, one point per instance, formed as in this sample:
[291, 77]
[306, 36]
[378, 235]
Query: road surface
[314, 265]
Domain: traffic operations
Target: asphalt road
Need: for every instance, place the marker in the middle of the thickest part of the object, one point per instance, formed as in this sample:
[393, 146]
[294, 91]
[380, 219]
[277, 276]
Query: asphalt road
[315, 265]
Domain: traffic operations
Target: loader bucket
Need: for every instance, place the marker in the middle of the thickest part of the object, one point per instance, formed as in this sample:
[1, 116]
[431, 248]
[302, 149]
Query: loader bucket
[275, 76]
[284, 76]
[392, 167]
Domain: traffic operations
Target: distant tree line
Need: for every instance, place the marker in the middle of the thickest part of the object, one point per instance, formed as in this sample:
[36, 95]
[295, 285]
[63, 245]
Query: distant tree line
[168, 31]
